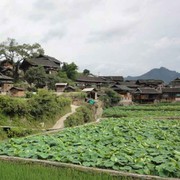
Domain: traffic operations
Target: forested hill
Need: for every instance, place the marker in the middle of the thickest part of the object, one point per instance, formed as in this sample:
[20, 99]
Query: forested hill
[157, 73]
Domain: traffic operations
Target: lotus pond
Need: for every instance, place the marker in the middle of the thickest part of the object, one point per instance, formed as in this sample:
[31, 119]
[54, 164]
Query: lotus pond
[135, 145]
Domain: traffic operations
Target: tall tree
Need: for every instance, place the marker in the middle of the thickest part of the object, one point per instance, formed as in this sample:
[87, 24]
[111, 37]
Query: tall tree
[14, 53]
[86, 72]
[70, 69]
[36, 76]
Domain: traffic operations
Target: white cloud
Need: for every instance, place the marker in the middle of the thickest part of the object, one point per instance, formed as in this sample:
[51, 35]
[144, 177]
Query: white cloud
[119, 37]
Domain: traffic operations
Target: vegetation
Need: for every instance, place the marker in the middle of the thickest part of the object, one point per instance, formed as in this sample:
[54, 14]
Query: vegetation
[42, 107]
[14, 53]
[128, 144]
[147, 111]
[36, 76]
[70, 70]
[110, 98]
[84, 114]
[29, 171]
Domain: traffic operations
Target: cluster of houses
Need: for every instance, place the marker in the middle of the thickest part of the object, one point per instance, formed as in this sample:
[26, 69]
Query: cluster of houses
[141, 91]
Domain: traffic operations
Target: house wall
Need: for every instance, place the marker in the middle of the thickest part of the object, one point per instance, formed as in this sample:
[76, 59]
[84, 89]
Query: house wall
[6, 87]
[17, 93]
[60, 88]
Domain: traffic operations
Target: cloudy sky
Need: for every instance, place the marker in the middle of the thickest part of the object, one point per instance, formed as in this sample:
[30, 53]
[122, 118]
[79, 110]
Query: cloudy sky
[108, 37]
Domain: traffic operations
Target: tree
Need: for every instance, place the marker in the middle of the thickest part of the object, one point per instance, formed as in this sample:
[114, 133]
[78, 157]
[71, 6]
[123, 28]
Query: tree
[36, 76]
[15, 53]
[71, 70]
[86, 72]
[111, 98]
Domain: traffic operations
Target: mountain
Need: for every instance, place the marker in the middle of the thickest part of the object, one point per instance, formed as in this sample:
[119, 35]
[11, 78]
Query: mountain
[157, 73]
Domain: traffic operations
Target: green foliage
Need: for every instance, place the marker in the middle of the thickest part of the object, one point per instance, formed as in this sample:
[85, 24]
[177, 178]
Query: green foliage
[70, 70]
[111, 98]
[36, 76]
[83, 115]
[18, 132]
[47, 105]
[13, 106]
[147, 111]
[76, 95]
[128, 144]
[44, 105]
[14, 53]
[11, 170]
[86, 72]
[52, 79]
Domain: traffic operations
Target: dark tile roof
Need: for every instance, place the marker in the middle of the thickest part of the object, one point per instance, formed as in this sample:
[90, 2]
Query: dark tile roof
[130, 84]
[149, 81]
[171, 90]
[6, 78]
[18, 88]
[45, 61]
[146, 91]
[121, 87]
[112, 78]
[90, 79]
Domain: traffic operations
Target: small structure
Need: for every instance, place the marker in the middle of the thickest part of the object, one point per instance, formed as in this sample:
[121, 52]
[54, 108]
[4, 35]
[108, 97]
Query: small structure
[17, 92]
[6, 83]
[171, 94]
[146, 95]
[60, 87]
[91, 93]
[69, 89]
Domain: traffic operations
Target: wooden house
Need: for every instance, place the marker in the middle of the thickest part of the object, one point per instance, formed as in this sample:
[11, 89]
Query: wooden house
[17, 92]
[5, 83]
[50, 64]
[60, 87]
[91, 93]
[129, 83]
[146, 95]
[153, 83]
[124, 91]
[90, 81]
[112, 79]
[175, 83]
[171, 94]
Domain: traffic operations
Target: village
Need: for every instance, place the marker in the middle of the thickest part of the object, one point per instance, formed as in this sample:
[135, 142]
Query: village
[130, 91]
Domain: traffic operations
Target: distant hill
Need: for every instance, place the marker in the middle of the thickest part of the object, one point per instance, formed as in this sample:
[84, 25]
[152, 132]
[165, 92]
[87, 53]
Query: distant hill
[162, 74]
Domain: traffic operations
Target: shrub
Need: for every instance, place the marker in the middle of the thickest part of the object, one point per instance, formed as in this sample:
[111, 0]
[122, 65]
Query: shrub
[83, 115]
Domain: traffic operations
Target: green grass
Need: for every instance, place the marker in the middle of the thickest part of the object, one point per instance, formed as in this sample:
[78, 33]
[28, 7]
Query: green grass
[24, 171]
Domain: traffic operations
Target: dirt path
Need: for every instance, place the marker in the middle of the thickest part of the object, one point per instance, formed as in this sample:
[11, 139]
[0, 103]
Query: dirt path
[60, 123]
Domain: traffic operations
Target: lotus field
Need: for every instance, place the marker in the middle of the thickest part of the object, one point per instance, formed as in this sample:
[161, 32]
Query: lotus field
[149, 146]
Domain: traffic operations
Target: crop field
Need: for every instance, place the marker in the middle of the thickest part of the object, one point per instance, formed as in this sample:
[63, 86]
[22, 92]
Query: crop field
[130, 144]
[169, 111]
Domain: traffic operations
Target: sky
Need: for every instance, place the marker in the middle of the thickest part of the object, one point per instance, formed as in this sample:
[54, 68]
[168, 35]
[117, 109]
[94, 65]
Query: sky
[107, 37]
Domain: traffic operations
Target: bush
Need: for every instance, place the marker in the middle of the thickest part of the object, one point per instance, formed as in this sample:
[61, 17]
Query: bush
[83, 115]
[110, 98]
[18, 132]
[47, 105]
[42, 106]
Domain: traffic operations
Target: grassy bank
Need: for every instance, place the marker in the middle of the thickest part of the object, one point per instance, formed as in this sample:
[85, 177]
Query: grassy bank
[21, 171]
